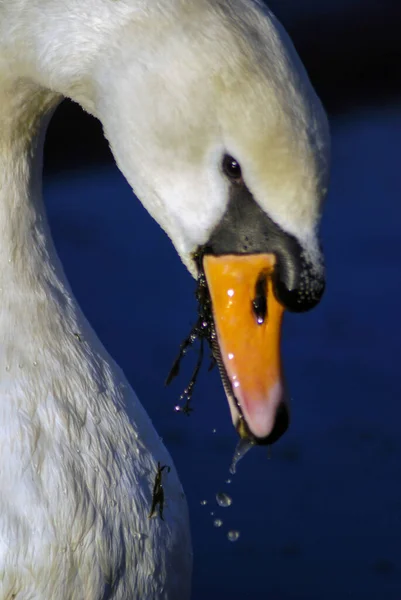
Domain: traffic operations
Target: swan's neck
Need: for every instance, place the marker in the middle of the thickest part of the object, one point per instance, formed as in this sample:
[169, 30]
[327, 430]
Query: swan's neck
[44, 55]
[24, 240]
[27, 258]
[37, 310]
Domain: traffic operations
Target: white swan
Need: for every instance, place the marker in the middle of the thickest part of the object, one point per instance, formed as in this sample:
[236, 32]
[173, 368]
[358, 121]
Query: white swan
[212, 120]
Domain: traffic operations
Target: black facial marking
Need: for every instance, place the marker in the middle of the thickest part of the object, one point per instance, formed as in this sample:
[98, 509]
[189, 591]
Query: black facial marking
[246, 229]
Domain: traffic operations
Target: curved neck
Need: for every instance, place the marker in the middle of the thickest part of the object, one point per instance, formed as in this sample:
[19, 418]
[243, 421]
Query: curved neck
[37, 308]
[25, 245]
[46, 52]
[48, 49]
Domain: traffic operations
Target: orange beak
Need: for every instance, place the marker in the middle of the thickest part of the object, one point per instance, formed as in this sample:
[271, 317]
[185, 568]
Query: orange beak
[248, 321]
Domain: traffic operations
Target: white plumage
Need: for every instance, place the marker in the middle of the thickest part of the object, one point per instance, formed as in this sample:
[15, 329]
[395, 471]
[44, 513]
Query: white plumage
[175, 84]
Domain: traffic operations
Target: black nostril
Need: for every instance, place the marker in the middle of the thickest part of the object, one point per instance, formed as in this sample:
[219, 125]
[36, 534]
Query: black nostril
[259, 303]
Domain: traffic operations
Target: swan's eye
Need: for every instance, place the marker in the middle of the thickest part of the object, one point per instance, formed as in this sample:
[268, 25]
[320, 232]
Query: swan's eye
[232, 169]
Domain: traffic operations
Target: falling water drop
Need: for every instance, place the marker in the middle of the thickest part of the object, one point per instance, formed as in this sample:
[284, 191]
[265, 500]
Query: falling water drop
[203, 502]
[228, 480]
[217, 522]
[214, 430]
[242, 448]
[233, 535]
[223, 500]
[212, 514]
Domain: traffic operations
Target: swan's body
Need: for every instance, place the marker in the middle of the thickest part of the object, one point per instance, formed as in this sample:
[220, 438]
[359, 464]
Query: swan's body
[78, 453]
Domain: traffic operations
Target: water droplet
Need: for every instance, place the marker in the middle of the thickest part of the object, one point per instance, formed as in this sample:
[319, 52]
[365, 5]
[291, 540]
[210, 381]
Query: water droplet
[177, 408]
[203, 502]
[233, 535]
[217, 522]
[236, 384]
[97, 469]
[78, 451]
[65, 491]
[212, 514]
[230, 356]
[230, 293]
[223, 499]
[242, 448]
[228, 480]
[35, 364]
[20, 365]
[7, 367]
[214, 430]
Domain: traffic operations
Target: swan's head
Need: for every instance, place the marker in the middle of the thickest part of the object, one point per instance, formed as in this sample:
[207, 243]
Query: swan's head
[213, 121]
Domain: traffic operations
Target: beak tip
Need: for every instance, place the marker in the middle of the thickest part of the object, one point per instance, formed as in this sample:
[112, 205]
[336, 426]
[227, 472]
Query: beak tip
[267, 431]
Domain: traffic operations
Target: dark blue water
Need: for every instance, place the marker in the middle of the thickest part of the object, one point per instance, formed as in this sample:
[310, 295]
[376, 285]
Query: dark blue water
[321, 520]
